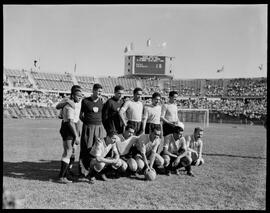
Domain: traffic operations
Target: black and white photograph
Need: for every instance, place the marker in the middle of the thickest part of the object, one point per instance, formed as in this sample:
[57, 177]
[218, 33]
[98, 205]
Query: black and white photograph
[135, 106]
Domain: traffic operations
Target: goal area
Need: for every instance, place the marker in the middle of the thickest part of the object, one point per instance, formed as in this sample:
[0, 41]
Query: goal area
[194, 115]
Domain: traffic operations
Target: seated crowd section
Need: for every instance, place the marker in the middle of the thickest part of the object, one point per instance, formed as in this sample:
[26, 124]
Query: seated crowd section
[42, 91]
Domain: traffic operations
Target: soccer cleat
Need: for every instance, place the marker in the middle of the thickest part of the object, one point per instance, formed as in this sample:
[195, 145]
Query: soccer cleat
[103, 177]
[64, 180]
[82, 178]
[177, 172]
[92, 180]
[190, 174]
[168, 172]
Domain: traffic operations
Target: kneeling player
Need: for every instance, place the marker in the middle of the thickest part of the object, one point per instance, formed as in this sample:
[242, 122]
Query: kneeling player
[126, 146]
[104, 154]
[195, 145]
[146, 155]
[175, 152]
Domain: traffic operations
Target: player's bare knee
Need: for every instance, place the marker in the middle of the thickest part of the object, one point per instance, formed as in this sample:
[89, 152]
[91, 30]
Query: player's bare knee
[98, 166]
[140, 164]
[166, 160]
[201, 162]
[124, 166]
[132, 164]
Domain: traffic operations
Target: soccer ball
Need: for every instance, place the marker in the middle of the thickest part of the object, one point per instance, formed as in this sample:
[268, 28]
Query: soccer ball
[150, 174]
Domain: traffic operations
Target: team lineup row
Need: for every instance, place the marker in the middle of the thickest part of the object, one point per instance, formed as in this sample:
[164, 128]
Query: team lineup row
[124, 138]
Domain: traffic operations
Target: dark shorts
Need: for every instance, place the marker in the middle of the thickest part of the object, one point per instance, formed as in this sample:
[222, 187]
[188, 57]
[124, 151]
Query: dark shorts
[138, 127]
[148, 126]
[167, 129]
[65, 131]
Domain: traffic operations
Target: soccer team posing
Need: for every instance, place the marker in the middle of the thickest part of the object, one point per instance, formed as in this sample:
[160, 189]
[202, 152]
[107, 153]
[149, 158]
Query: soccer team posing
[124, 138]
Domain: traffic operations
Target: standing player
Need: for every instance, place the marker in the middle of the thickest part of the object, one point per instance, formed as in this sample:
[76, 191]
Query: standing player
[104, 154]
[152, 113]
[91, 116]
[110, 113]
[169, 114]
[133, 110]
[175, 150]
[195, 145]
[77, 107]
[69, 134]
[146, 148]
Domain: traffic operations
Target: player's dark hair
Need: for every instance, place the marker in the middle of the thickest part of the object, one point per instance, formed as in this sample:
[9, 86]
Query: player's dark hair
[112, 133]
[75, 88]
[130, 126]
[156, 94]
[118, 87]
[97, 86]
[136, 90]
[198, 129]
[172, 93]
[155, 127]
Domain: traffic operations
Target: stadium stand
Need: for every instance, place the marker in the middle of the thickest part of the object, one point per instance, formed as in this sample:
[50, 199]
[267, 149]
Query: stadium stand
[52, 81]
[17, 78]
[224, 98]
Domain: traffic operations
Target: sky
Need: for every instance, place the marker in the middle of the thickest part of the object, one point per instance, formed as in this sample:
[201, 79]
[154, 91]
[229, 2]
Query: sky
[202, 38]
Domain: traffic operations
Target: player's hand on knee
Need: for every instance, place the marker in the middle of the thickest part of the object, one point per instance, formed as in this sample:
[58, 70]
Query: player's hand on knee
[176, 162]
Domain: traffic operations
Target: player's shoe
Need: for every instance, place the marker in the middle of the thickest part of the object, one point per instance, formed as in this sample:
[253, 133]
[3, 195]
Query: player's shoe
[92, 180]
[177, 172]
[103, 177]
[64, 180]
[82, 178]
[168, 172]
[190, 174]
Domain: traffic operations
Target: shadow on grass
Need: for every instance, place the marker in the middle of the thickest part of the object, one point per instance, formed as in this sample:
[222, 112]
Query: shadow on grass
[237, 156]
[42, 171]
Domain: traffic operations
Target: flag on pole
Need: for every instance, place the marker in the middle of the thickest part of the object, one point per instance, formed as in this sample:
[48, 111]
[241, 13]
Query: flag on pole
[148, 42]
[75, 68]
[220, 70]
[131, 46]
[126, 49]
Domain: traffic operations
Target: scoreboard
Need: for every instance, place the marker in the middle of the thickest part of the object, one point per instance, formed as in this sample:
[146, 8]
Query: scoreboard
[149, 65]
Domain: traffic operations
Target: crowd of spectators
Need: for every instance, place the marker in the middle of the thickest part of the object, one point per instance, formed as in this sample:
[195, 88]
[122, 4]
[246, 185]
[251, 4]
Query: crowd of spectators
[214, 90]
[252, 108]
[28, 99]
[247, 88]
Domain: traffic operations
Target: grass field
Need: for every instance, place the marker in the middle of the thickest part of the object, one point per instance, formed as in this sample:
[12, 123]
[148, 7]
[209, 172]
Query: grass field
[233, 176]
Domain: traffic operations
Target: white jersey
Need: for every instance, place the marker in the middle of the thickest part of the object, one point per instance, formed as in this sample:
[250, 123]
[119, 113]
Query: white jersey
[170, 112]
[133, 110]
[152, 114]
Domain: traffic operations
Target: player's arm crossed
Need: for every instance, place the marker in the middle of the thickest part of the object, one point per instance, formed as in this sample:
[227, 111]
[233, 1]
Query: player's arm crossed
[64, 102]
[108, 160]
